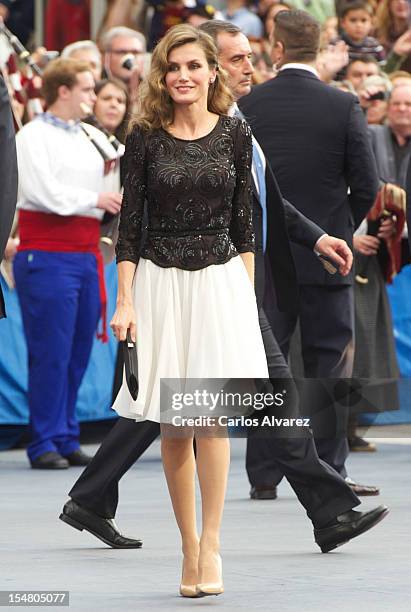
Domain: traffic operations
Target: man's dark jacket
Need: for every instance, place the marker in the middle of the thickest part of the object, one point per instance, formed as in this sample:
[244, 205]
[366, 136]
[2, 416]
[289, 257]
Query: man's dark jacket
[8, 175]
[315, 138]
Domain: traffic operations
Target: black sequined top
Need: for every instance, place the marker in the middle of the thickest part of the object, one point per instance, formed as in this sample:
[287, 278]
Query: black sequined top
[198, 197]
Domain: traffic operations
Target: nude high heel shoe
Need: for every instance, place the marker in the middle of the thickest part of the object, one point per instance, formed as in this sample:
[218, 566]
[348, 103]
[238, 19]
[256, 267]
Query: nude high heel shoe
[212, 588]
[188, 590]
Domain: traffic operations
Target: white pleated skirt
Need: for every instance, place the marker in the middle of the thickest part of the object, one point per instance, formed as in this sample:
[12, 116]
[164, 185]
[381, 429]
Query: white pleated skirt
[191, 324]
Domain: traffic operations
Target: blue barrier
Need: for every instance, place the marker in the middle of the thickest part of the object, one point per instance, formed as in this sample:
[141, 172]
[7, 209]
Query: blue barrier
[95, 393]
[399, 294]
[94, 401]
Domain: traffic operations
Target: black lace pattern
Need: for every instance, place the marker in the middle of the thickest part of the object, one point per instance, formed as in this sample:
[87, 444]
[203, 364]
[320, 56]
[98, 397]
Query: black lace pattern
[198, 197]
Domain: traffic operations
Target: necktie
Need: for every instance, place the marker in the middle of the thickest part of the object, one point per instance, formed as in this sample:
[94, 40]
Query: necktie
[260, 174]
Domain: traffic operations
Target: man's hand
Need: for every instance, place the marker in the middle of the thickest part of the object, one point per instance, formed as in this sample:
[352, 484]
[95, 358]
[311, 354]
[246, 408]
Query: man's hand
[331, 60]
[387, 229]
[11, 249]
[337, 251]
[402, 45]
[109, 201]
[365, 95]
[4, 12]
[366, 245]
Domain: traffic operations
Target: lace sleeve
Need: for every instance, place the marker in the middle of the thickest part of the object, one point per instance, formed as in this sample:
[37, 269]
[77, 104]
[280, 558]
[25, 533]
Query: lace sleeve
[131, 217]
[241, 226]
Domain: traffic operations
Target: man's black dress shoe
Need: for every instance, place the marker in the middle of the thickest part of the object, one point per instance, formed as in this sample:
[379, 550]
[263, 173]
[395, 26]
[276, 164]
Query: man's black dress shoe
[102, 528]
[347, 526]
[78, 458]
[49, 461]
[263, 492]
[359, 445]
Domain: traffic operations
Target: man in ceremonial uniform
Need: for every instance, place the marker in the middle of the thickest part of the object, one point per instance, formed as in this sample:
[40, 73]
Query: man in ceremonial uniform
[58, 269]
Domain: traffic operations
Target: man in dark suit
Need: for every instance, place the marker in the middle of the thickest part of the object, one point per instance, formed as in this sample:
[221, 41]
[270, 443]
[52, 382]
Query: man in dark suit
[8, 173]
[324, 494]
[315, 139]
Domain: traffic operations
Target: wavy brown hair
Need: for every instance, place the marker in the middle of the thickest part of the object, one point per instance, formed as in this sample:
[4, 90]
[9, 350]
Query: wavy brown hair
[384, 23]
[155, 107]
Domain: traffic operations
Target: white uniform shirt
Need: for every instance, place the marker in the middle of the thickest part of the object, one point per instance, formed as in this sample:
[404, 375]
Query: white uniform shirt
[60, 170]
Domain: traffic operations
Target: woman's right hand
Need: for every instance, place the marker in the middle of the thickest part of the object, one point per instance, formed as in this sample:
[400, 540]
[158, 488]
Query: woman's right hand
[123, 319]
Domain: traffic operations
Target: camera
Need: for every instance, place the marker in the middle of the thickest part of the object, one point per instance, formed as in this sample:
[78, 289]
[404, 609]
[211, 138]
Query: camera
[380, 95]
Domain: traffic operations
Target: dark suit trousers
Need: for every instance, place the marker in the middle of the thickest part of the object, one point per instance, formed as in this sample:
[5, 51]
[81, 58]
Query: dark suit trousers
[319, 488]
[97, 487]
[326, 316]
[323, 493]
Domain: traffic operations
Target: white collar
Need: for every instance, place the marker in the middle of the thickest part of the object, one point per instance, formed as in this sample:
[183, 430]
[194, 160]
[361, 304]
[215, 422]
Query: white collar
[298, 66]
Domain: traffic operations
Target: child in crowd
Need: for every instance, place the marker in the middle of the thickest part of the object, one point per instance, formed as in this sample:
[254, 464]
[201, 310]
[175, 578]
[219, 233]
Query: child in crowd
[355, 22]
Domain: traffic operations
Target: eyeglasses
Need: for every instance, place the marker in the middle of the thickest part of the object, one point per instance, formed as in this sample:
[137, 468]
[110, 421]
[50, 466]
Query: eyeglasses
[125, 52]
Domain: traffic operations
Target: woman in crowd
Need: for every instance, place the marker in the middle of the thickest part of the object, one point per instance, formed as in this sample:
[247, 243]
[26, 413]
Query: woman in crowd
[110, 115]
[111, 106]
[190, 303]
[392, 20]
[271, 13]
[375, 360]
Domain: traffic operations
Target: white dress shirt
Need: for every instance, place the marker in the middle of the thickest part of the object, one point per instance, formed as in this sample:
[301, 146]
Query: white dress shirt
[60, 170]
[298, 66]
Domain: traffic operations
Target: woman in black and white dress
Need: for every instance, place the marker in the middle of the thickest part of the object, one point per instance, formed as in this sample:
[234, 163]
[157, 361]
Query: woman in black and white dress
[187, 293]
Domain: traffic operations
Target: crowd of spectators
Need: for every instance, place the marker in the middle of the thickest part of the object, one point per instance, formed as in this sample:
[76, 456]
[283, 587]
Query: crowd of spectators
[360, 38]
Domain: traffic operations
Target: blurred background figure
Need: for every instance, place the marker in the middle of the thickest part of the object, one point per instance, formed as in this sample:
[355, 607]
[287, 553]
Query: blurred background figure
[8, 172]
[239, 13]
[329, 31]
[319, 9]
[378, 248]
[199, 14]
[66, 21]
[271, 13]
[355, 24]
[123, 56]
[373, 94]
[400, 77]
[58, 269]
[111, 106]
[261, 59]
[392, 142]
[359, 69]
[111, 114]
[392, 19]
[86, 51]
[18, 16]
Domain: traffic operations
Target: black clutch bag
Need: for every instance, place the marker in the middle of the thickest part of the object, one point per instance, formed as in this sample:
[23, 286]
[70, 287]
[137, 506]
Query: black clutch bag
[130, 364]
